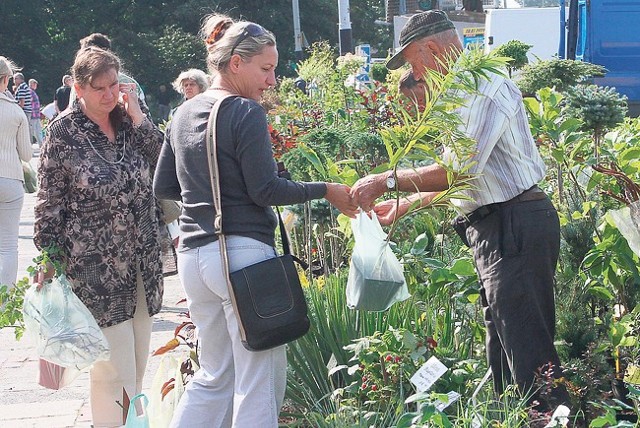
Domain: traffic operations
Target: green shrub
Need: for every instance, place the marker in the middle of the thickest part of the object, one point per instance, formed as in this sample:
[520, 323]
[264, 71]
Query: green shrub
[560, 74]
[379, 72]
[517, 51]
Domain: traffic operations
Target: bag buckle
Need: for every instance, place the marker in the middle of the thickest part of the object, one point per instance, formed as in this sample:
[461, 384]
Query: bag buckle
[217, 224]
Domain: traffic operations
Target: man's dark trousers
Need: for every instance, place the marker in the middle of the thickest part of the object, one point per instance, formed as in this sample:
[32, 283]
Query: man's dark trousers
[516, 249]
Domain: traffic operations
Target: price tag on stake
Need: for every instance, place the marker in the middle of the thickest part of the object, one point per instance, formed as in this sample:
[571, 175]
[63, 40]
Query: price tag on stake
[428, 374]
[453, 397]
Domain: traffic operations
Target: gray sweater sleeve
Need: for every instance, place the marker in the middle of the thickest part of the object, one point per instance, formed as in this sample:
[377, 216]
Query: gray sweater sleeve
[165, 180]
[255, 155]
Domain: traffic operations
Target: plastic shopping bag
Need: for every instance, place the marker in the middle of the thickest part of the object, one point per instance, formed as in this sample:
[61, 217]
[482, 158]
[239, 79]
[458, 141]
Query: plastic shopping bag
[627, 220]
[161, 407]
[133, 419]
[64, 330]
[54, 376]
[30, 178]
[376, 277]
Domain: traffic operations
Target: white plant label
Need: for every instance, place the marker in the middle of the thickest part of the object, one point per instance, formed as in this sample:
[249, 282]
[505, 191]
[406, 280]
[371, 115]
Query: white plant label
[477, 421]
[428, 374]
[453, 397]
[560, 417]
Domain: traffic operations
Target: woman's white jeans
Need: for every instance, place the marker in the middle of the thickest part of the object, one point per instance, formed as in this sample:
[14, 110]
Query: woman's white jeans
[234, 387]
[11, 200]
[129, 346]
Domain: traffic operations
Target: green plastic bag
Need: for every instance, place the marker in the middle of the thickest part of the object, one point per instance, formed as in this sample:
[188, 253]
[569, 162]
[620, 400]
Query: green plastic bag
[133, 419]
[30, 178]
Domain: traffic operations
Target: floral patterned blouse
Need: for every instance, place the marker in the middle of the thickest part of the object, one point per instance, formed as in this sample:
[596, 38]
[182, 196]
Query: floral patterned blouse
[95, 202]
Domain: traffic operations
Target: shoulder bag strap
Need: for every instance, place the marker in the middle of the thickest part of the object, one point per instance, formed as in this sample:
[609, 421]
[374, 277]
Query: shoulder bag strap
[214, 175]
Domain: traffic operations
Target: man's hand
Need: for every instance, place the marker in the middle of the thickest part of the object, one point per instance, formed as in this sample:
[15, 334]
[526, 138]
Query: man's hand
[368, 189]
[339, 196]
[390, 210]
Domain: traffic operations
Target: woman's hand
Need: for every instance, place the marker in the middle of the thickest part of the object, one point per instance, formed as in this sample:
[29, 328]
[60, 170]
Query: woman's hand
[339, 196]
[44, 274]
[130, 102]
[390, 210]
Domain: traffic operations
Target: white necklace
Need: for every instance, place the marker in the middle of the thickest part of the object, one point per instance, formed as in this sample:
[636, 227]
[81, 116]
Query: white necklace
[124, 149]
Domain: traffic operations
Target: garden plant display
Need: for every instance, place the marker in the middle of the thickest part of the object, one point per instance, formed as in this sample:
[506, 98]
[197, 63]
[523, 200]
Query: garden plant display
[353, 368]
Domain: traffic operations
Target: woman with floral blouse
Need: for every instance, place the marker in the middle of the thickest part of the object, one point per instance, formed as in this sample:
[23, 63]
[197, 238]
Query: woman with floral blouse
[95, 204]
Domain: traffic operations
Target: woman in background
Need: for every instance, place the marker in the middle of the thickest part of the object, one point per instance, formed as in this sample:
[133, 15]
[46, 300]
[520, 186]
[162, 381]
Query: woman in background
[191, 83]
[15, 146]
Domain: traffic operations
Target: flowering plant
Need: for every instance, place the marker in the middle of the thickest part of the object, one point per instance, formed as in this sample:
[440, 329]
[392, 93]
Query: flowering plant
[385, 362]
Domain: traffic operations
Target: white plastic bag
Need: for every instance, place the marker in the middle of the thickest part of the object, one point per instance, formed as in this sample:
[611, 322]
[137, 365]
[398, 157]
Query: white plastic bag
[161, 408]
[64, 330]
[376, 277]
[627, 220]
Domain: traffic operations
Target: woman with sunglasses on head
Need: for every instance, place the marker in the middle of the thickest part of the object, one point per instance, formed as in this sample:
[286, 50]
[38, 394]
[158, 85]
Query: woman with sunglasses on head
[234, 387]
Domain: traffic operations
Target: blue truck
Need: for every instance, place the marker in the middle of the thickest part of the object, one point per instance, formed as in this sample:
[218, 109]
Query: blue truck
[607, 33]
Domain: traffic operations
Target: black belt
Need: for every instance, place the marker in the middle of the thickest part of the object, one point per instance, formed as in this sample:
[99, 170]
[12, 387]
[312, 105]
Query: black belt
[532, 194]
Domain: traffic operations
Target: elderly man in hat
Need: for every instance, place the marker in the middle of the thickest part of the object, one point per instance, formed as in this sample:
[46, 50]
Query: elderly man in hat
[507, 220]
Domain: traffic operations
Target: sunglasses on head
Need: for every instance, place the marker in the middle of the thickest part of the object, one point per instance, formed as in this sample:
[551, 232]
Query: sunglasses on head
[253, 30]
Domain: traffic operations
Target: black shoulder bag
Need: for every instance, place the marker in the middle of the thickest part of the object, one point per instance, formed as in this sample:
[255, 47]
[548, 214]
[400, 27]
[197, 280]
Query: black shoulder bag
[267, 297]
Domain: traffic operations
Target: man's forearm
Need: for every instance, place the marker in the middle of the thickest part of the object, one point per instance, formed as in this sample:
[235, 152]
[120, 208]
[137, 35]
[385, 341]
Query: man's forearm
[432, 178]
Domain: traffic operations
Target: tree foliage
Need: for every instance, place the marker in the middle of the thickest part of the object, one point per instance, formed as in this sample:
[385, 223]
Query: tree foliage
[517, 51]
[557, 73]
[157, 39]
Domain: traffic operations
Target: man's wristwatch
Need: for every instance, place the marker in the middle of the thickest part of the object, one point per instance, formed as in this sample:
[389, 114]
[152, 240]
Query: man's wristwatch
[391, 181]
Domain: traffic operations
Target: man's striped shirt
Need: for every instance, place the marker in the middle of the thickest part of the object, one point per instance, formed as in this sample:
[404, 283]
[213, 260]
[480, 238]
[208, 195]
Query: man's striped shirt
[507, 160]
[24, 93]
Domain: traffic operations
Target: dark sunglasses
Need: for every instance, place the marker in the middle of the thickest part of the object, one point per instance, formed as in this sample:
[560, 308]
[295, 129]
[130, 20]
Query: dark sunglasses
[253, 30]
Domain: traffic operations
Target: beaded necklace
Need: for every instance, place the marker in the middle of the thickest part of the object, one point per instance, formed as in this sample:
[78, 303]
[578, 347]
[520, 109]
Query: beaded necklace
[124, 149]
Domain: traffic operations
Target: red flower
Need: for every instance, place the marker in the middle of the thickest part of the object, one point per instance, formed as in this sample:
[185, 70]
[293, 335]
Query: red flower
[431, 342]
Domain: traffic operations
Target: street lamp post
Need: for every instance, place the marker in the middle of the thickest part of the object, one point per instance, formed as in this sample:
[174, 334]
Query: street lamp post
[297, 34]
[345, 27]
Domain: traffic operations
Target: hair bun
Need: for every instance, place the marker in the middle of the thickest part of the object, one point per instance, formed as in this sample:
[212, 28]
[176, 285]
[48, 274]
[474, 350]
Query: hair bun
[218, 31]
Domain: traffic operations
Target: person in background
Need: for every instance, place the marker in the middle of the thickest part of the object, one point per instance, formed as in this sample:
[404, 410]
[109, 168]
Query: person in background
[35, 125]
[301, 84]
[15, 146]
[22, 93]
[61, 98]
[234, 386]
[164, 99]
[191, 83]
[509, 222]
[100, 212]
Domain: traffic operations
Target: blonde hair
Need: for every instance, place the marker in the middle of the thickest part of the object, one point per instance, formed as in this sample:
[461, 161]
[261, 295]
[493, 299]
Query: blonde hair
[221, 34]
[7, 67]
[198, 76]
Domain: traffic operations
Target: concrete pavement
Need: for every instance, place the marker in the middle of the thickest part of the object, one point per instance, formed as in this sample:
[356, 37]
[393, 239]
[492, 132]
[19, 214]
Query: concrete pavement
[24, 403]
